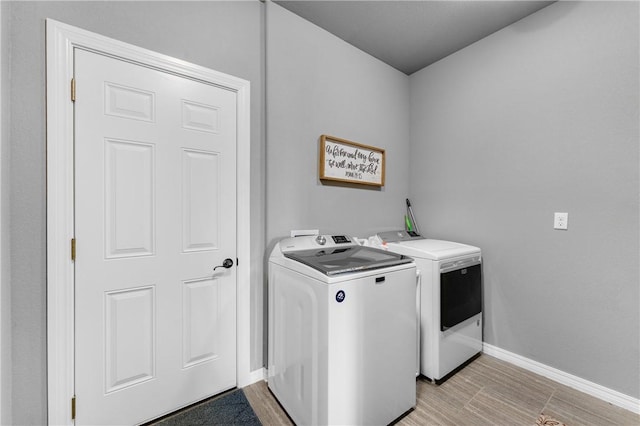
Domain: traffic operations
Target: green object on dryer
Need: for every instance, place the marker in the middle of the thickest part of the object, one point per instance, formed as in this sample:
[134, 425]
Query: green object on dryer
[407, 222]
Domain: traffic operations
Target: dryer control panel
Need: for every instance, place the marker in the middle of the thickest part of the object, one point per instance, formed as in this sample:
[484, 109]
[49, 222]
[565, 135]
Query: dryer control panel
[394, 236]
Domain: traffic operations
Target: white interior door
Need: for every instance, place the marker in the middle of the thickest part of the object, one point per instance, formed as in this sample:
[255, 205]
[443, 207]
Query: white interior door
[155, 212]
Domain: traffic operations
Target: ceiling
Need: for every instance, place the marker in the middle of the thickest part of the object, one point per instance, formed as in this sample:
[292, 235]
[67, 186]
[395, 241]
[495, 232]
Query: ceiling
[409, 35]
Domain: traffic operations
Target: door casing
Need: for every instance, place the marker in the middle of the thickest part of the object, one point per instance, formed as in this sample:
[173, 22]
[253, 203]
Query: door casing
[62, 39]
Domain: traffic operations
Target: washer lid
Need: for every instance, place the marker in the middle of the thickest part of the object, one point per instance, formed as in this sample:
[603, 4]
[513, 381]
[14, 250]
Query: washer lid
[334, 261]
[432, 249]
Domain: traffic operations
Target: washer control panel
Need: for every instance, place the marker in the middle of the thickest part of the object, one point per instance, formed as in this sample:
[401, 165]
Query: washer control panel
[340, 239]
[306, 242]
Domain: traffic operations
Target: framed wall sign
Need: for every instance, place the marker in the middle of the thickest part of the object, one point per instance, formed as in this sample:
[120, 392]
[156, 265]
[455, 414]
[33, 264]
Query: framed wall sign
[345, 161]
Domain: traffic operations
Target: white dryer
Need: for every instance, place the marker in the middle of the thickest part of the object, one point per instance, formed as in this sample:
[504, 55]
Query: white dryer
[342, 329]
[450, 305]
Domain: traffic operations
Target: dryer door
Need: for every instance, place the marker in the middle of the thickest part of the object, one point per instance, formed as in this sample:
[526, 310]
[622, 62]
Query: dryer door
[460, 295]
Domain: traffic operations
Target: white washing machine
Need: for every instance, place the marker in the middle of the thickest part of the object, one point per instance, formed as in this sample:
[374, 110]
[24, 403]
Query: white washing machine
[450, 276]
[342, 329]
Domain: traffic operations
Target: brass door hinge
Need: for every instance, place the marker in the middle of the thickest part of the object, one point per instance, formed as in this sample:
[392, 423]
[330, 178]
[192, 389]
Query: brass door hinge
[73, 90]
[73, 408]
[73, 249]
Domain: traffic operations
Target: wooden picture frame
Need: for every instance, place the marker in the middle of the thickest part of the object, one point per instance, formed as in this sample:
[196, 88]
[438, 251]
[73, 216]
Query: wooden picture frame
[350, 162]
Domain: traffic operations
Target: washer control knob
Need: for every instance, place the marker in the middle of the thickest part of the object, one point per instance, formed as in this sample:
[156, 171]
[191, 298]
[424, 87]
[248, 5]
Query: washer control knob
[320, 239]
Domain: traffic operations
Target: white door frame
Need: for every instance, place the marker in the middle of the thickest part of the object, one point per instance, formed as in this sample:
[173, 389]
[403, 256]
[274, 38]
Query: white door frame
[61, 41]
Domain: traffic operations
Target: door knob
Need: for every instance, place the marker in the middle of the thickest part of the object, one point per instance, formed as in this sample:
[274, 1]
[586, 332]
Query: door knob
[227, 263]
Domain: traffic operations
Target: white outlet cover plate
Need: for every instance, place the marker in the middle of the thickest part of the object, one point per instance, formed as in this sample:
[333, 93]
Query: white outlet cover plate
[560, 220]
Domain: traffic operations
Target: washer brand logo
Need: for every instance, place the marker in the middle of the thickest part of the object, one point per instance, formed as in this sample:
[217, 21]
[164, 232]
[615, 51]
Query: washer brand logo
[340, 296]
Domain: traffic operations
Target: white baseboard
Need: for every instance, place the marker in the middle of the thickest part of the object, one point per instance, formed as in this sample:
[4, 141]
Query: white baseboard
[255, 376]
[575, 382]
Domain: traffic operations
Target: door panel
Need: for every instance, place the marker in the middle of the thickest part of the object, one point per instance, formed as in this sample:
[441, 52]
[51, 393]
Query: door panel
[129, 184]
[129, 337]
[200, 182]
[201, 321]
[155, 178]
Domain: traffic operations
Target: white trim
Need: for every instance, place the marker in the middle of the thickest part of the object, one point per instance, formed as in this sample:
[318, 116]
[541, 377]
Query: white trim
[575, 382]
[61, 40]
[256, 376]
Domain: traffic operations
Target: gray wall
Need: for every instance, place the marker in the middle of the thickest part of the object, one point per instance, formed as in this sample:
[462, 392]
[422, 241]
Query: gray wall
[318, 84]
[225, 36]
[538, 118]
[5, 283]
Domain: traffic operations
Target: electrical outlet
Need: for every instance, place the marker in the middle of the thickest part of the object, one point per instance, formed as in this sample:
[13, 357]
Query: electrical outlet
[560, 220]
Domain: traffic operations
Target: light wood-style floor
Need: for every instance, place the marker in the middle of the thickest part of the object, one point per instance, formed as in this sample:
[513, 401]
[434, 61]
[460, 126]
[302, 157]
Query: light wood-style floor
[486, 392]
